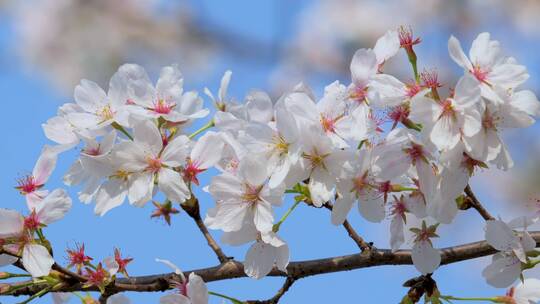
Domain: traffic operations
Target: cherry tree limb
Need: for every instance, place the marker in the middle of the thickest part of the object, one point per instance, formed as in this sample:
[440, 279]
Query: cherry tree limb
[296, 270]
[477, 205]
[275, 299]
[191, 207]
[352, 233]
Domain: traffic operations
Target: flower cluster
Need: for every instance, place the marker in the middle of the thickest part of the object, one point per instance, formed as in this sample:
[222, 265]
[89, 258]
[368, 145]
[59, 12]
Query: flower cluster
[399, 150]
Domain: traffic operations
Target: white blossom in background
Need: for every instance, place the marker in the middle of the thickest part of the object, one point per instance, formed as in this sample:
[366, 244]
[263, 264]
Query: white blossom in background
[191, 290]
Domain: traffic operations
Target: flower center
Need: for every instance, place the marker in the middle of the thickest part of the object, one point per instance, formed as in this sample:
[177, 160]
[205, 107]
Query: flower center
[359, 94]
[280, 145]
[415, 152]
[447, 108]
[328, 124]
[154, 164]
[191, 171]
[31, 222]
[316, 159]
[251, 193]
[480, 73]
[412, 89]
[106, 113]
[489, 122]
[27, 185]
[163, 107]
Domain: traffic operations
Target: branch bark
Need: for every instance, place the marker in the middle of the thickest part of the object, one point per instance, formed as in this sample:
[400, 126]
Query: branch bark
[296, 270]
[477, 205]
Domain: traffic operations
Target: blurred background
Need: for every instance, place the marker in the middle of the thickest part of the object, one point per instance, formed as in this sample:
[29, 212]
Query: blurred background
[47, 46]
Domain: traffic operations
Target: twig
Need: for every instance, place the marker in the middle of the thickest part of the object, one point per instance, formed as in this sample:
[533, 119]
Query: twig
[191, 207]
[477, 205]
[364, 247]
[275, 299]
[233, 269]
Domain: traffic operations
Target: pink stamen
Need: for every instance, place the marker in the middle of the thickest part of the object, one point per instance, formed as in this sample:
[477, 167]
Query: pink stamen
[328, 124]
[154, 164]
[31, 222]
[406, 39]
[398, 114]
[27, 185]
[430, 79]
[163, 107]
[480, 73]
[412, 89]
[191, 171]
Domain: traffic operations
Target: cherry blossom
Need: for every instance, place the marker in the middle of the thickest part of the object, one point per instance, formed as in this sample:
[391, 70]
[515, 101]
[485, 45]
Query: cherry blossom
[192, 290]
[488, 65]
[425, 258]
[31, 185]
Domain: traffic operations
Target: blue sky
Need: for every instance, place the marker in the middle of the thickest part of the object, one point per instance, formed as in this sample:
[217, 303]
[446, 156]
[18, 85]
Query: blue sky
[28, 101]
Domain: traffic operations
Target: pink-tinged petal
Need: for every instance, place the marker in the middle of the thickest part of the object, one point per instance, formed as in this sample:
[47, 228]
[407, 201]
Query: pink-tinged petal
[341, 209]
[141, 187]
[528, 291]
[259, 107]
[503, 271]
[527, 102]
[110, 195]
[170, 82]
[37, 260]
[111, 265]
[147, 135]
[197, 290]
[507, 75]
[321, 186]
[11, 223]
[467, 91]
[260, 259]
[391, 91]
[230, 216]
[397, 237]
[224, 86]
[427, 179]
[54, 207]
[263, 216]
[372, 209]
[504, 160]
[34, 199]
[500, 236]
[208, 150]
[282, 257]
[253, 170]
[483, 50]
[59, 130]
[457, 54]
[246, 234]
[173, 185]
[445, 133]
[130, 156]
[387, 46]
[442, 209]
[176, 152]
[45, 165]
[425, 258]
[226, 187]
[286, 125]
[89, 96]
[363, 65]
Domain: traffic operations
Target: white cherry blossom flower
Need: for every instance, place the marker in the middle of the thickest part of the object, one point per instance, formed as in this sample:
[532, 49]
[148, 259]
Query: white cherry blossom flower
[445, 121]
[191, 290]
[245, 196]
[526, 292]
[31, 185]
[425, 258]
[488, 65]
[512, 245]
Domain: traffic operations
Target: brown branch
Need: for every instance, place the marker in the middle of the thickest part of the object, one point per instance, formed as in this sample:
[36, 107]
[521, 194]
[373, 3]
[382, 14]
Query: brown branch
[296, 270]
[191, 207]
[275, 299]
[364, 247]
[477, 205]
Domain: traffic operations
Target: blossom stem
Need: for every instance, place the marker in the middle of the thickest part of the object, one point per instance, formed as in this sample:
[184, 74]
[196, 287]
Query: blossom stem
[207, 126]
[41, 236]
[121, 129]
[37, 295]
[494, 300]
[235, 301]
[285, 216]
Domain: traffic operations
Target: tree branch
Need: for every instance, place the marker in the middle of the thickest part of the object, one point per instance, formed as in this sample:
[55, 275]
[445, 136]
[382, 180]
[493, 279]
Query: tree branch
[296, 270]
[275, 299]
[352, 233]
[191, 207]
[477, 205]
